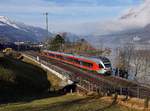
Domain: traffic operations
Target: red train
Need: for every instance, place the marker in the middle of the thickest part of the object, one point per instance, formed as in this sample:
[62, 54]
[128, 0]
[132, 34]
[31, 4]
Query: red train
[101, 65]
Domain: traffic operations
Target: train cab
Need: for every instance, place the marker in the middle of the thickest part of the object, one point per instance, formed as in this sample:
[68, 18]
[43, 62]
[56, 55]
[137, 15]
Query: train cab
[104, 65]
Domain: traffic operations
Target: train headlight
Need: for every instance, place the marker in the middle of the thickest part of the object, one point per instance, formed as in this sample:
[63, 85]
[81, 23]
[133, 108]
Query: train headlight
[102, 71]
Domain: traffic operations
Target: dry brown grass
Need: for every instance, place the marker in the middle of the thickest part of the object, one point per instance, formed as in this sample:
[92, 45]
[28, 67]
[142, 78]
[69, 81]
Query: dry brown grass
[69, 102]
[134, 103]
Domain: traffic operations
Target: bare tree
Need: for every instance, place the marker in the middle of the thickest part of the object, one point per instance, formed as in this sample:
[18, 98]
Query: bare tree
[137, 62]
[124, 58]
[145, 66]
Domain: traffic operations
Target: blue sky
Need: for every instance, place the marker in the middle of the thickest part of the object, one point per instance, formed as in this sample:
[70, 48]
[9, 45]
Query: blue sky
[63, 13]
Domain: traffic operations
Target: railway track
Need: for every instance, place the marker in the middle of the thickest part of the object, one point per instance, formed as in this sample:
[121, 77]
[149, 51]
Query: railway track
[109, 82]
[75, 70]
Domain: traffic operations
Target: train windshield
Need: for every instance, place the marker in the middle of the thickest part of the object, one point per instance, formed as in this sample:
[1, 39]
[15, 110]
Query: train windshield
[107, 65]
[101, 66]
[106, 62]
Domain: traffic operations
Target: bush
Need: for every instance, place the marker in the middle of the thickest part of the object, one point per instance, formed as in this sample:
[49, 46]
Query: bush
[6, 75]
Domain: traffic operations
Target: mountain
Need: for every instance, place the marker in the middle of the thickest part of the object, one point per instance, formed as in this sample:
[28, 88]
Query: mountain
[140, 17]
[134, 26]
[140, 13]
[14, 31]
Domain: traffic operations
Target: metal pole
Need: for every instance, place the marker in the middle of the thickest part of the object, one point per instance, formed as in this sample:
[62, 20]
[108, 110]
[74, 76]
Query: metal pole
[18, 46]
[46, 20]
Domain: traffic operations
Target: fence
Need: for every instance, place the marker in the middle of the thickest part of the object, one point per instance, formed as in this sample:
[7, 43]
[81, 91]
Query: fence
[96, 84]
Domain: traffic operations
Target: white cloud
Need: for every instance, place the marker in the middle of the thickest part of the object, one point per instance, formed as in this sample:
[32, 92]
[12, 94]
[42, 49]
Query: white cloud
[75, 17]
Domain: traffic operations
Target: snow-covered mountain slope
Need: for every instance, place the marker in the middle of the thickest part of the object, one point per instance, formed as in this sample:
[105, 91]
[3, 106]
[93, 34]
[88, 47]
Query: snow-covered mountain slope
[138, 15]
[133, 26]
[143, 11]
[5, 21]
[14, 31]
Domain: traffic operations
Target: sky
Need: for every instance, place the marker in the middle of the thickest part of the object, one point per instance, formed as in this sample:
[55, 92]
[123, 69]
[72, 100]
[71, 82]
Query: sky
[64, 14]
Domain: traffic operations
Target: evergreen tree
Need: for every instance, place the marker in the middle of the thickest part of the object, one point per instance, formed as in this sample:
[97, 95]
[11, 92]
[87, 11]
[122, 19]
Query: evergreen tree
[57, 43]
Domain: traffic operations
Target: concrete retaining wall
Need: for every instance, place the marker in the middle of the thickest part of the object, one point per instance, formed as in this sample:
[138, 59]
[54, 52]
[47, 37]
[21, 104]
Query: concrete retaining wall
[63, 78]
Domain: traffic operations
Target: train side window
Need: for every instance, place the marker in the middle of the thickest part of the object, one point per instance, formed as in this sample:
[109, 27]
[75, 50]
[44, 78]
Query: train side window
[69, 59]
[87, 64]
[51, 55]
[59, 56]
[56, 56]
[107, 65]
[90, 65]
[65, 58]
[76, 61]
[100, 66]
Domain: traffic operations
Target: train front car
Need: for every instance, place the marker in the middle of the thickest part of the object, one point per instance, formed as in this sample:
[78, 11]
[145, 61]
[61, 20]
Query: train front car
[101, 65]
[105, 62]
[104, 65]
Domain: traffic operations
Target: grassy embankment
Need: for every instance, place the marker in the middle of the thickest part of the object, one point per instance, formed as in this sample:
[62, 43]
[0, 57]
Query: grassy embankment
[55, 81]
[26, 85]
[19, 79]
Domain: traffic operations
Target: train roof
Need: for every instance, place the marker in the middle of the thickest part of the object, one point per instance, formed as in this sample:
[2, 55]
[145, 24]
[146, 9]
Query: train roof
[96, 59]
[104, 59]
